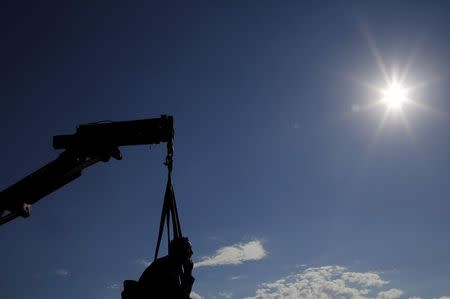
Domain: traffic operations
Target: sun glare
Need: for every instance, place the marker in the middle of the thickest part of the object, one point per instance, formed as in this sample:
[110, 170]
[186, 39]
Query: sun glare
[398, 96]
[395, 96]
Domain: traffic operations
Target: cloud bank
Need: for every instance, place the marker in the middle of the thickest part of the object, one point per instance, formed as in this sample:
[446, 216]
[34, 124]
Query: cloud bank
[329, 282]
[234, 254]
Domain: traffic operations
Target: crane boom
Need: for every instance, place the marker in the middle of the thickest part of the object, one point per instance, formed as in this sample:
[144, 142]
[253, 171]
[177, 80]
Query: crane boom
[90, 144]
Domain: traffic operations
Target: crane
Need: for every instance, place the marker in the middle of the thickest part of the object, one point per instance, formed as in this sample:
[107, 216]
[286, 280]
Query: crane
[91, 143]
[169, 276]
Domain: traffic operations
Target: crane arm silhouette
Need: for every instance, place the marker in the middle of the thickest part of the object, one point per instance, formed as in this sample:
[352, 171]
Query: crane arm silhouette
[92, 143]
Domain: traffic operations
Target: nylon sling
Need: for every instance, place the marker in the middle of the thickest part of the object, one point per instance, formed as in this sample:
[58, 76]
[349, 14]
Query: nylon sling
[169, 210]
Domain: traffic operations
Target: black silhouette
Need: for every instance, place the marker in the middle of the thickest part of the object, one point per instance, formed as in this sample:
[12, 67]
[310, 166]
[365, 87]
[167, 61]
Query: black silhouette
[167, 277]
[171, 275]
[90, 144]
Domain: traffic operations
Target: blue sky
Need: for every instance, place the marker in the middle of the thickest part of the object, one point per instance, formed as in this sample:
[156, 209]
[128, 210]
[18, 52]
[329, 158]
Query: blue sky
[281, 178]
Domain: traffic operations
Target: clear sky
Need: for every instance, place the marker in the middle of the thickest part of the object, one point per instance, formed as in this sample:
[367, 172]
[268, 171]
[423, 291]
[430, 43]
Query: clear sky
[288, 180]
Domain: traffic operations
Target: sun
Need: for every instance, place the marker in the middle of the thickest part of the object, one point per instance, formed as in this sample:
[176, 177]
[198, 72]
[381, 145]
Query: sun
[394, 96]
[397, 97]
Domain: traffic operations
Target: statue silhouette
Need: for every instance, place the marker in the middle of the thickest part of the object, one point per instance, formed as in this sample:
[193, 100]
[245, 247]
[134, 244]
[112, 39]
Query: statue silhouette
[167, 277]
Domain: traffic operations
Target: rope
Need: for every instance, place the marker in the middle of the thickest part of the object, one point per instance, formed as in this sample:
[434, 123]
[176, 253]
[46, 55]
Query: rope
[169, 210]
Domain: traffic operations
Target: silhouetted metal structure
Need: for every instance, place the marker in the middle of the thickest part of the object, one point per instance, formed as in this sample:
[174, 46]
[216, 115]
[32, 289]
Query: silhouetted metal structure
[167, 277]
[90, 144]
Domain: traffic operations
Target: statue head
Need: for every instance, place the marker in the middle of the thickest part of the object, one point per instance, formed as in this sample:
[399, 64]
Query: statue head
[180, 249]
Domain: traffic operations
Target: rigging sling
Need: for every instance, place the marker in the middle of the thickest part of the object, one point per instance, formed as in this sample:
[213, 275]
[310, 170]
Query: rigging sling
[182, 285]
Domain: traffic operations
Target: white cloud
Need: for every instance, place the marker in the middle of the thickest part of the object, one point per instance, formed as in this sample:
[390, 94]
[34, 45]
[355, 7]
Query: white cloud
[320, 283]
[227, 295]
[324, 283]
[442, 297]
[114, 286]
[329, 282]
[234, 254]
[62, 272]
[301, 266]
[390, 294]
[237, 277]
[194, 295]
[368, 279]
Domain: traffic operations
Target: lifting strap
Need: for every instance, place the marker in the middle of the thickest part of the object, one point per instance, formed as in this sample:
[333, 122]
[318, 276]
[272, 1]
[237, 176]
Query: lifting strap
[169, 210]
